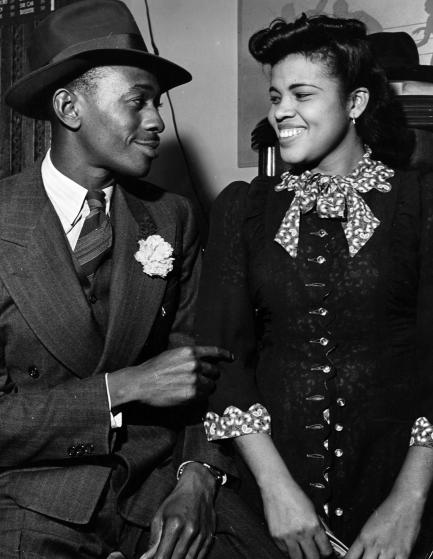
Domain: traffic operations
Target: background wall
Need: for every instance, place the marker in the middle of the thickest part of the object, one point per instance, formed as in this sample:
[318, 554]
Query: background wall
[202, 36]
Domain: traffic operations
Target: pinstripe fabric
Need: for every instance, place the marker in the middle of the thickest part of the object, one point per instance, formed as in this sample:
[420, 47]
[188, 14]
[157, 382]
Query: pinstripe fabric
[95, 238]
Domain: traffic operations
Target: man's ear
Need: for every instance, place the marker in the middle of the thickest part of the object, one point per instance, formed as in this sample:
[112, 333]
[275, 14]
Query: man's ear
[65, 107]
[358, 102]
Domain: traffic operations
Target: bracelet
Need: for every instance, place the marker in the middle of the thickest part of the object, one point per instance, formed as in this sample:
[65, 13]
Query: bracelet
[220, 477]
[422, 433]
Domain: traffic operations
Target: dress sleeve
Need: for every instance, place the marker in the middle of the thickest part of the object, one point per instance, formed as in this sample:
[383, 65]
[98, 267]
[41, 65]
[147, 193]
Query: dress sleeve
[226, 318]
[425, 303]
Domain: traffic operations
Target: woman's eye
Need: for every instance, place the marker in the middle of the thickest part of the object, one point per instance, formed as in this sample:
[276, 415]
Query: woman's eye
[274, 100]
[302, 95]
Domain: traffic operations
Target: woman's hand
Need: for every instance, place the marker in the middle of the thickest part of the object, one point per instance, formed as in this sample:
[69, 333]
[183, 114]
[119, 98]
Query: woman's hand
[391, 531]
[293, 522]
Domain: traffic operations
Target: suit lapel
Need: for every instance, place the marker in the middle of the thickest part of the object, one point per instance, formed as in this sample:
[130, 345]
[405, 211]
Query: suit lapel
[135, 297]
[39, 274]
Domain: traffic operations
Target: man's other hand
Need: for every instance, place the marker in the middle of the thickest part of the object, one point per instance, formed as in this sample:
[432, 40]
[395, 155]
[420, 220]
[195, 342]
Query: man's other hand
[184, 524]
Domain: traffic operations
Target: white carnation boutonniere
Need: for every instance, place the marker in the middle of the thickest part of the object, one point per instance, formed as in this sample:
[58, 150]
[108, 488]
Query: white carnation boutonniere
[155, 255]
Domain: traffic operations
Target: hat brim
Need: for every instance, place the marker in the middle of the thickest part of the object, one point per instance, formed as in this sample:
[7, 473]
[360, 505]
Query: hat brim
[421, 73]
[28, 95]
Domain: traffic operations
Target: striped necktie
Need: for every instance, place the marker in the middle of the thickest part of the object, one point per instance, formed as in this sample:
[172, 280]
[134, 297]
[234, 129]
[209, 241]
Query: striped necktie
[95, 239]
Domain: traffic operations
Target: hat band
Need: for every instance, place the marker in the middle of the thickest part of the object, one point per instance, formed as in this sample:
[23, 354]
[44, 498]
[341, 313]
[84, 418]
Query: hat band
[109, 42]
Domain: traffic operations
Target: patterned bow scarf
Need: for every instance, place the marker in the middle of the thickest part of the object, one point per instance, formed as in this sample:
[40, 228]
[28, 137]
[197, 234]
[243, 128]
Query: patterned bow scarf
[334, 197]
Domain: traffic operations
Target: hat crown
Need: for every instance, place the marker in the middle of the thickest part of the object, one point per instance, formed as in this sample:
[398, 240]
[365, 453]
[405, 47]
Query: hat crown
[394, 50]
[80, 36]
[78, 23]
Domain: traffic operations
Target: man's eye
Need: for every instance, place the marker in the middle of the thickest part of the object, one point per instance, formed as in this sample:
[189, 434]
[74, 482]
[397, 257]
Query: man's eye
[302, 95]
[138, 102]
[274, 100]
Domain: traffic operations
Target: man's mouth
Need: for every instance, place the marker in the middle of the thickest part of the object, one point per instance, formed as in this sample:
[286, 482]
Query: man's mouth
[152, 144]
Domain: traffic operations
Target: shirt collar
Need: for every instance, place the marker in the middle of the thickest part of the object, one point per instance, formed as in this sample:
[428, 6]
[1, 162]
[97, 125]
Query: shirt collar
[66, 195]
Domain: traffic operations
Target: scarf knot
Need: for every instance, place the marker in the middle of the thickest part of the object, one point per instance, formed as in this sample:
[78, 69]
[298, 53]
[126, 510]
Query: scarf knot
[334, 197]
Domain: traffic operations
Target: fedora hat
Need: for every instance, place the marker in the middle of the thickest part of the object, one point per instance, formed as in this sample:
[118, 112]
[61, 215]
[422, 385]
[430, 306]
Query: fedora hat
[74, 39]
[398, 55]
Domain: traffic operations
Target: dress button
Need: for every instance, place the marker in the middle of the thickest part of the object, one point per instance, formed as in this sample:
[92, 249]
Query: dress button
[319, 233]
[317, 485]
[321, 341]
[33, 372]
[320, 311]
[314, 426]
[338, 452]
[315, 398]
[326, 444]
[339, 512]
[338, 427]
[318, 259]
[324, 368]
[92, 299]
[341, 402]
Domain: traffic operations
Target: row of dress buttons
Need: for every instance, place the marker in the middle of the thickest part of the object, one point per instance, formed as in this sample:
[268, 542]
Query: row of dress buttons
[80, 449]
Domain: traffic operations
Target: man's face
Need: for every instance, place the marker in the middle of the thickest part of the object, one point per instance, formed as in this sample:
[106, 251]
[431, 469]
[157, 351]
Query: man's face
[120, 122]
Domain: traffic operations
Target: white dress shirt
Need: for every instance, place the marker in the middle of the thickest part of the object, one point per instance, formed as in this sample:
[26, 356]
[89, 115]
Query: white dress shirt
[69, 201]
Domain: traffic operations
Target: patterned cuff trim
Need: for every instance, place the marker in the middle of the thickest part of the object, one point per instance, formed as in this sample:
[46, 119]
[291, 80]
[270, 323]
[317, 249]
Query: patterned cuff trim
[235, 422]
[422, 433]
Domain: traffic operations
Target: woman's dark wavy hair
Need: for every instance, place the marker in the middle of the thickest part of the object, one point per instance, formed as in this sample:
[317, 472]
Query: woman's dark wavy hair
[342, 46]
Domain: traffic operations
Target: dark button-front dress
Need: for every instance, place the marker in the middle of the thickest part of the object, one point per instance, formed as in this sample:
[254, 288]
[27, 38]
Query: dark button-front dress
[337, 348]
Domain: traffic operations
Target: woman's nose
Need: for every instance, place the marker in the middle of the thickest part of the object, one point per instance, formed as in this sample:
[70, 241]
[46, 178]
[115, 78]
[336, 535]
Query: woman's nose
[285, 109]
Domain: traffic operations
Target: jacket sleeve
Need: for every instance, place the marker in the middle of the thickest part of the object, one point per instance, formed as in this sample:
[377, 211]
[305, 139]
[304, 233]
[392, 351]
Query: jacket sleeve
[182, 329]
[225, 318]
[67, 422]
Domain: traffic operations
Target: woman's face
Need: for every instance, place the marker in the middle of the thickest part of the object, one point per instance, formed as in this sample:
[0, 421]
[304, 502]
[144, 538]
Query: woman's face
[310, 116]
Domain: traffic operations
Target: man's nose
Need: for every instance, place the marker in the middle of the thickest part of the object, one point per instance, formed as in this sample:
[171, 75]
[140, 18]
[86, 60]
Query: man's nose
[152, 121]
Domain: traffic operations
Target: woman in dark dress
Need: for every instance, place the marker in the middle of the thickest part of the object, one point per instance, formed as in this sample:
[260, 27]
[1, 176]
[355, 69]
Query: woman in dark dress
[321, 283]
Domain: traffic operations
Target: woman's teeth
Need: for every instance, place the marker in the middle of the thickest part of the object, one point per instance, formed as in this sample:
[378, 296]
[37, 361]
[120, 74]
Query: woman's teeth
[290, 132]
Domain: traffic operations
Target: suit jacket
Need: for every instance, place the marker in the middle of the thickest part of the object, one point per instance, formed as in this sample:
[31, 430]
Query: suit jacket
[56, 445]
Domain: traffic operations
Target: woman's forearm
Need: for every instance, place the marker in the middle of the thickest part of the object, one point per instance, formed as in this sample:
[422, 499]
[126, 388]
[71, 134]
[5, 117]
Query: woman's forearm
[416, 474]
[263, 459]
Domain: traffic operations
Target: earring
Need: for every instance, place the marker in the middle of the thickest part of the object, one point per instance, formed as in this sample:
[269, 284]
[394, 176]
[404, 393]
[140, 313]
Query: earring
[353, 119]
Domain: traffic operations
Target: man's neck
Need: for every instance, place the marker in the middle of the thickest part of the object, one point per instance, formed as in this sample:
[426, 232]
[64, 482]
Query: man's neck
[78, 170]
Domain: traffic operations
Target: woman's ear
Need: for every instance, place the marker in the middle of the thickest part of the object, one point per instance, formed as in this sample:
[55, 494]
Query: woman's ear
[358, 101]
[65, 107]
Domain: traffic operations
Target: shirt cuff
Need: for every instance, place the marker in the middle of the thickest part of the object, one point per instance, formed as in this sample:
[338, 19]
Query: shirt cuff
[235, 422]
[116, 420]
